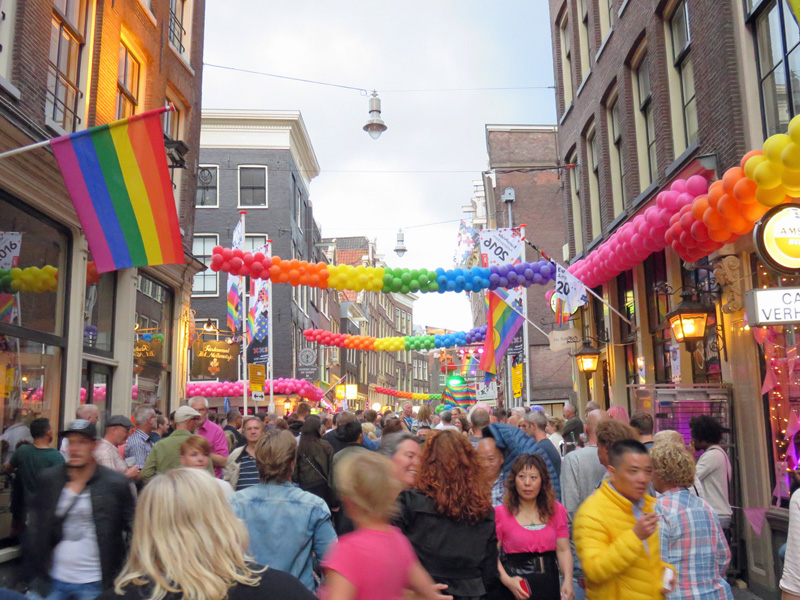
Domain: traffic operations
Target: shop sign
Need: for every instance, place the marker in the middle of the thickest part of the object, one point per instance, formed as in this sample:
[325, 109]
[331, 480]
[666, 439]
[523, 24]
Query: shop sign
[215, 358]
[147, 351]
[772, 306]
[564, 339]
[486, 390]
[777, 239]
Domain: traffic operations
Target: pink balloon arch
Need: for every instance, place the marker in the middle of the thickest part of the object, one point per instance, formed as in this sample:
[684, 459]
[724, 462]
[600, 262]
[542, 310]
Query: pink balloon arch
[220, 389]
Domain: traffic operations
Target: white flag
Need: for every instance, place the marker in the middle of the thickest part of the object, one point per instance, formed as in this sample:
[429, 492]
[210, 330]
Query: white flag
[570, 290]
[237, 236]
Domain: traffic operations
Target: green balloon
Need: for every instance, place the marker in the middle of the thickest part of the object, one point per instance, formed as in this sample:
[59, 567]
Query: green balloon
[423, 287]
[423, 279]
[405, 289]
[387, 279]
[415, 274]
[433, 286]
[414, 285]
[406, 278]
[397, 284]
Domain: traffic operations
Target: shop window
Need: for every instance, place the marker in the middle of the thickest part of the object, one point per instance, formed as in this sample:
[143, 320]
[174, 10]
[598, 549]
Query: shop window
[151, 356]
[658, 305]
[645, 124]
[778, 43]
[127, 83]
[566, 59]
[207, 187]
[206, 283]
[98, 310]
[96, 388]
[615, 155]
[706, 365]
[253, 186]
[681, 78]
[626, 301]
[67, 40]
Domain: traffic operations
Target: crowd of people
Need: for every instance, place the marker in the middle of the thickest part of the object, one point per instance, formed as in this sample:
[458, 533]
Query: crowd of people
[490, 504]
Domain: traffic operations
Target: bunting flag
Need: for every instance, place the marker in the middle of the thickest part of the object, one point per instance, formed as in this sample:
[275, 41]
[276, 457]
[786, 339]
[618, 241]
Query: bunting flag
[504, 323]
[459, 394]
[118, 180]
[234, 314]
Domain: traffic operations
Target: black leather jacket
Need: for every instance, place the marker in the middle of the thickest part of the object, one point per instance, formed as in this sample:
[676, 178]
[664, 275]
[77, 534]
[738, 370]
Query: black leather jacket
[112, 509]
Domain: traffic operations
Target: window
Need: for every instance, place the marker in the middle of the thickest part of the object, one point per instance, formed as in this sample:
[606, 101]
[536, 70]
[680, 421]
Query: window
[7, 27]
[593, 154]
[626, 304]
[253, 242]
[177, 33]
[151, 364]
[205, 282]
[207, 187]
[299, 207]
[645, 131]
[566, 60]
[605, 11]
[658, 305]
[127, 83]
[67, 38]
[172, 120]
[575, 193]
[682, 64]
[253, 186]
[584, 37]
[778, 41]
[615, 157]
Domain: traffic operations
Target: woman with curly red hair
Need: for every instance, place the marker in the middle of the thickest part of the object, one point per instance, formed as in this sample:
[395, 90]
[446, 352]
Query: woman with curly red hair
[533, 533]
[448, 517]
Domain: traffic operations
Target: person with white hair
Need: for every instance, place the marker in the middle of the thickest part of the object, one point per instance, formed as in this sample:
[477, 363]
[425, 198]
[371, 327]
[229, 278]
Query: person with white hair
[573, 428]
[139, 442]
[213, 433]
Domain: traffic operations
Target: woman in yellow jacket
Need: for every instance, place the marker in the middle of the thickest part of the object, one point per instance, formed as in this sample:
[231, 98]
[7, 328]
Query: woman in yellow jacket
[616, 532]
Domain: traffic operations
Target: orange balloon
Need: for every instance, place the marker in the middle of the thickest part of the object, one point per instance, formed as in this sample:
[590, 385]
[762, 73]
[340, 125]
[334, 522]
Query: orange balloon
[731, 178]
[294, 264]
[712, 219]
[745, 191]
[738, 225]
[283, 277]
[312, 268]
[715, 192]
[699, 207]
[276, 260]
[728, 206]
[719, 235]
[303, 265]
[750, 155]
[753, 211]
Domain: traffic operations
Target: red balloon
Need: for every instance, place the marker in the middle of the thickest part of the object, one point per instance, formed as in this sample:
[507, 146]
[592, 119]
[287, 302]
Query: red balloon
[699, 231]
[214, 266]
[236, 263]
[259, 257]
[225, 267]
[227, 254]
[255, 268]
[216, 250]
[686, 220]
[247, 259]
[238, 253]
[217, 259]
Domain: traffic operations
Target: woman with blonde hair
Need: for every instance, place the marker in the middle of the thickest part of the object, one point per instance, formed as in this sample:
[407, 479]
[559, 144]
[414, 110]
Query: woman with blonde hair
[424, 416]
[376, 560]
[188, 544]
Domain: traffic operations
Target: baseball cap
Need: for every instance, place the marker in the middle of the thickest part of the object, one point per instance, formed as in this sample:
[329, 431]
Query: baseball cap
[82, 427]
[184, 413]
[119, 421]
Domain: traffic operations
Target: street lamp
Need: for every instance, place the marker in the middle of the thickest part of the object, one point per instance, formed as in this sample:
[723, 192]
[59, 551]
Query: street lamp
[688, 319]
[287, 406]
[208, 326]
[400, 248]
[375, 126]
[587, 358]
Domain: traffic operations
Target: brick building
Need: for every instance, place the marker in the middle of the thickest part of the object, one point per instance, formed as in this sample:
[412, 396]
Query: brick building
[647, 93]
[524, 157]
[65, 66]
[262, 162]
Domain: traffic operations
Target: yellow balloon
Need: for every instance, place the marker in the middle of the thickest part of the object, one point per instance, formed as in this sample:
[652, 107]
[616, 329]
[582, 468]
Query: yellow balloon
[790, 157]
[791, 181]
[794, 129]
[767, 175]
[774, 145]
[752, 163]
[771, 197]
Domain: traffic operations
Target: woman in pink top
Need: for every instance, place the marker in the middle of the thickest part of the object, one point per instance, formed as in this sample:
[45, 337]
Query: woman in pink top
[533, 535]
[376, 561]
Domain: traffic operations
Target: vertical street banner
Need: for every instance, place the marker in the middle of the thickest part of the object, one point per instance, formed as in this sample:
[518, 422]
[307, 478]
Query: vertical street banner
[238, 240]
[570, 292]
[503, 246]
[10, 246]
[258, 347]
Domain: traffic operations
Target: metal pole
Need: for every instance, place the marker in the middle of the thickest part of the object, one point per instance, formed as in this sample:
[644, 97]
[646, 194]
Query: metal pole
[245, 302]
[269, 336]
[24, 149]
[511, 400]
[525, 332]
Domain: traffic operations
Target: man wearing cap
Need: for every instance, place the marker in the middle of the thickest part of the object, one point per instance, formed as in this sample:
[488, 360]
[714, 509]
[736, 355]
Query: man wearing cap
[107, 451]
[166, 454]
[213, 433]
[79, 520]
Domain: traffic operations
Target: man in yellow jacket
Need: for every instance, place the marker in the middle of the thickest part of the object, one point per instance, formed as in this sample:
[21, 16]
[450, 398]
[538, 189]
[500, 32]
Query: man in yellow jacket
[616, 531]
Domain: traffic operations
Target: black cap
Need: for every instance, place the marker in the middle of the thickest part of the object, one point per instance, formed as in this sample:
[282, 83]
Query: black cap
[82, 427]
[119, 421]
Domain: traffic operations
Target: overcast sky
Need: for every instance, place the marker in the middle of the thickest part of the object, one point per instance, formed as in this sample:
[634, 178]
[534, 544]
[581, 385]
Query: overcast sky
[421, 170]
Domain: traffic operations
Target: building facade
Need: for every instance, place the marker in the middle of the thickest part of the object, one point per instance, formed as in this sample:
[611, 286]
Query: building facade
[648, 93]
[262, 162]
[118, 339]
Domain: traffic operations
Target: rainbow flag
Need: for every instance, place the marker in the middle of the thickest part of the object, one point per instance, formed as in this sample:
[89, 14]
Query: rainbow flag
[504, 322]
[460, 394]
[118, 180]
[233, 302]
[8, 306]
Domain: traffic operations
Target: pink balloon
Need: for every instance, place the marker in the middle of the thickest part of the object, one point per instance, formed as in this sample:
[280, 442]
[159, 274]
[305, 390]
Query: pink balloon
[671, 201]
[684, 200]
[651, 215]
[696, 185]
[637, 242]
[664, 216]
[679, 185]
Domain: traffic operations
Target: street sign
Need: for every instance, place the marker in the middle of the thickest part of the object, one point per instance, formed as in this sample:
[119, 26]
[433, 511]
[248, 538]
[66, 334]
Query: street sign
[258, 396]
[257, 376]
[773, 306]
[309, 372]
[564, 339]
[486, 390]
[307, 357]
[516, 381]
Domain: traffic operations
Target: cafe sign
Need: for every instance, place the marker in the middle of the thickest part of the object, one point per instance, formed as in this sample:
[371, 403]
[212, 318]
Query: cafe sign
[215, 359]
[773, 306]
[777, 239]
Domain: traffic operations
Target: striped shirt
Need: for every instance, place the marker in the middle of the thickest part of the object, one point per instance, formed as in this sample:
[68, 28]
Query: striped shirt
[138, 446]
[692, 541]
[498, 490]
[248, 472]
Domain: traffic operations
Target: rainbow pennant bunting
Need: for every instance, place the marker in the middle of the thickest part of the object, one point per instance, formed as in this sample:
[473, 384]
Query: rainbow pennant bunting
[118, 180]
[504, 322]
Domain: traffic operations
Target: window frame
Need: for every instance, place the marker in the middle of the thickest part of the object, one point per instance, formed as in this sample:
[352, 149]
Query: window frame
[566, 59]
[681, 62]
[123, 93]
[204, 274]
[239, 187]
[199, 170]
[177, 20]
[644, 109]
[575, 199]
[61, 79]
[615, 154]
[592, 141]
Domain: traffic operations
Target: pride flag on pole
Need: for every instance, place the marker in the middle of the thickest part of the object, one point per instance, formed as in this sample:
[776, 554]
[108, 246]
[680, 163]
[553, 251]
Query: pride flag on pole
[234, 314]
[118, 180]
[503, 323]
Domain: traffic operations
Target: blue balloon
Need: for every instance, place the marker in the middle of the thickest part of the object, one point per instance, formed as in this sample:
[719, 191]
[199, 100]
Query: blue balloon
[477, 282]
[468, 286]
[458, 272]
[440, 271]
[485, 282]
[460, 280]
[451, 286]
[442, 280]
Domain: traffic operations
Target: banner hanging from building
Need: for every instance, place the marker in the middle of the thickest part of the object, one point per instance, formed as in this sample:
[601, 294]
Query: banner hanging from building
[215, 359]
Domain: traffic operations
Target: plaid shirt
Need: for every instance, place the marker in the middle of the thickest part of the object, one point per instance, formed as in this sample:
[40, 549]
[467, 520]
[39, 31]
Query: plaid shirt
[692, 541]
[139, 446]
[498, 490]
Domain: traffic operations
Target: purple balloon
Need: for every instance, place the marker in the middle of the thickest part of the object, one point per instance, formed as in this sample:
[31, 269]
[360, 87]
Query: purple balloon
[528, 274]
[502, 270]
[494, 279]
[520, 268]
[503, 282]
[512, 277]
[537, 278]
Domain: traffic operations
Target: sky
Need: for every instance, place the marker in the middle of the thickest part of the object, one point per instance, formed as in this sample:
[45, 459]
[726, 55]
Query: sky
[425, 59]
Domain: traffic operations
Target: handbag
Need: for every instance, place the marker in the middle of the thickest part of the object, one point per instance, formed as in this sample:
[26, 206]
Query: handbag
[328, 495]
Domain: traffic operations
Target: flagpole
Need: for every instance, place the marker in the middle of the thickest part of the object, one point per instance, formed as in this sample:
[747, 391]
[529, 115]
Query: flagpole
[588, 289]
[15, 151]
[269, 335]
[525, 330]
[246, 295]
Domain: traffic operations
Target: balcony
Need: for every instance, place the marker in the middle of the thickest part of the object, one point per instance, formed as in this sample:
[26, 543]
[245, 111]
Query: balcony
[62, 99]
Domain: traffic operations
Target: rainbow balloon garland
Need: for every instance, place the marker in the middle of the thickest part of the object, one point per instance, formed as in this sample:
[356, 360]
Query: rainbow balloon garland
[396, 344]
[380, 279]
[407, 395]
